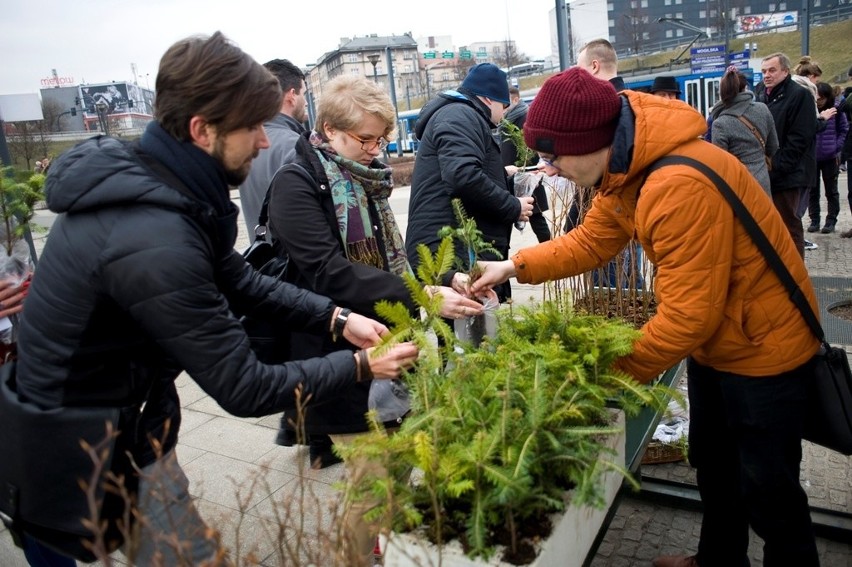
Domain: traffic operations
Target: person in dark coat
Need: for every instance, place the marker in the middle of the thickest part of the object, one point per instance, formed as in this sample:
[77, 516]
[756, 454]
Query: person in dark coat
[459, 158]
[139, 281]
[665, 86]
[512, 160]
[829, 145]
[329, 213]
[794, 112]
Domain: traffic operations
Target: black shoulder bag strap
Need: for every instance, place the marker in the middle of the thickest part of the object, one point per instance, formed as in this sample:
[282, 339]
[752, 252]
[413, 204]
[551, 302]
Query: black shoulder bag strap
[260, 229]
[757, 235]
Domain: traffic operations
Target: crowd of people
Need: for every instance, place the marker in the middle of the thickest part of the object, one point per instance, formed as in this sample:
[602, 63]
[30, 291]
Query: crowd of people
[156, 288]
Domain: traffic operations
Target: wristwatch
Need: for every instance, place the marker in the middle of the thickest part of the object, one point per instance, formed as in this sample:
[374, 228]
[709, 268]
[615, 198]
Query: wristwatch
[340, 322]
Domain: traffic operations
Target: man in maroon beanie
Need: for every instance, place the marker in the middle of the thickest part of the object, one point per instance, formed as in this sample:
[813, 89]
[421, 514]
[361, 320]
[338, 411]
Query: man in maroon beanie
[750, 352]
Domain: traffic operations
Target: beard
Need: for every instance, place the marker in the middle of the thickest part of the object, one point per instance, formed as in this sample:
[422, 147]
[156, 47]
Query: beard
[234, 176]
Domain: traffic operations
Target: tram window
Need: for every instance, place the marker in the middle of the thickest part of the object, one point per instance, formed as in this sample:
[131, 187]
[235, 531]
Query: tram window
[713, 95]
[693, 94]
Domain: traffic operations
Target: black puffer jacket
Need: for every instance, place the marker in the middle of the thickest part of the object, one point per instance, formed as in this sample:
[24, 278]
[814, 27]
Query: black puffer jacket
[129, 292]
[794, 112]
[459, 158]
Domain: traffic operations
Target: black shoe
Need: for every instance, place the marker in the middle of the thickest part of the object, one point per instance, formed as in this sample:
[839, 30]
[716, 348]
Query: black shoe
[814, 227]
[828, 229]
[286, 437]
[321, 453]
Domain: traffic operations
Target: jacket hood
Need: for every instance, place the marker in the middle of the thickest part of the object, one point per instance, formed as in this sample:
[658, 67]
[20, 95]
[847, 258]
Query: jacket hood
[517, 111]
[105, 172]
[649, 127]
[440, 101]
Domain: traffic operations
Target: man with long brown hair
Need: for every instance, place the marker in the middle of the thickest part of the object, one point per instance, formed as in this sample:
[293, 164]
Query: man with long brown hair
[139, 282]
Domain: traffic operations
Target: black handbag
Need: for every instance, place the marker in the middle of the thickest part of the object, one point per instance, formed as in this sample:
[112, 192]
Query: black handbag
[828, 421]
[270, 343]
[43, 464]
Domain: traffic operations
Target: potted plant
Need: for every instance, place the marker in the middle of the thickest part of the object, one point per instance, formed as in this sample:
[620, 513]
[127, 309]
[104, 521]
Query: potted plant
[475, 328]
[505, 438]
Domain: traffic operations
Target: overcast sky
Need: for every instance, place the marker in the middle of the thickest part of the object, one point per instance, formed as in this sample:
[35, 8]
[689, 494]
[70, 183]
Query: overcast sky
[96, 41]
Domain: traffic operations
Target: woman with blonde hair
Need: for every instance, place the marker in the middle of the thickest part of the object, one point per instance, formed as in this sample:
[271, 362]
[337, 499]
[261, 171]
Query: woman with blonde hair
[329, 212]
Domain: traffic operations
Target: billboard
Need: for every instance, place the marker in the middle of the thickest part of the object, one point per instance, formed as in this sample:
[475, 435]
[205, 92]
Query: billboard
[119, 98]
[749, 23]
[114, 95]
[20, 107]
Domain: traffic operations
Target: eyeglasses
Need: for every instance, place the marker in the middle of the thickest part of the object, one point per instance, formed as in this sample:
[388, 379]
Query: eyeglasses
[369, 145]
[549, 161]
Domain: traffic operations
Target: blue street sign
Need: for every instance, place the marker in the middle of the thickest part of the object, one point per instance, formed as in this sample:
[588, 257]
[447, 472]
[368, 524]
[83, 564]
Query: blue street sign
[708, 50]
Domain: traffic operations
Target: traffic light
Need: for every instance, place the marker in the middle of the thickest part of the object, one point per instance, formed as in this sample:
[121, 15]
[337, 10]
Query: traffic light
[73, 111]
[130, 103]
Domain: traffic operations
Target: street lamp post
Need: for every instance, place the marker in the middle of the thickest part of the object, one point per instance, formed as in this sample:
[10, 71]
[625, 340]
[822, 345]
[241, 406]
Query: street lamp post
[374, 59]
[102, 109]
[392, 86]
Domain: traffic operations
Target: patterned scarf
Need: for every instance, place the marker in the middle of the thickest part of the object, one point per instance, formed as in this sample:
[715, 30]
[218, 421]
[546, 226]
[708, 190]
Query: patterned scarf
[353, 187]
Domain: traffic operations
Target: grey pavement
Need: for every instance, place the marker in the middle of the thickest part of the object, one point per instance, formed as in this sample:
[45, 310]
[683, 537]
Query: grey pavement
[242, 482]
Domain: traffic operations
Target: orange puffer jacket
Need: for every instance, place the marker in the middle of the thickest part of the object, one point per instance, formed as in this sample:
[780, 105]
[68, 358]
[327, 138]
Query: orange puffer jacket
[717, 298]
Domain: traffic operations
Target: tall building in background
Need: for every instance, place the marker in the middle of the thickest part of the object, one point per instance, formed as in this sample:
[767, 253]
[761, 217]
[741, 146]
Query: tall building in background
[634, 26]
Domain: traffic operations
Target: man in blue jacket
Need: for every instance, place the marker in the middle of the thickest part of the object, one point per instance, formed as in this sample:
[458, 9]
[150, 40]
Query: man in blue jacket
[459, 158]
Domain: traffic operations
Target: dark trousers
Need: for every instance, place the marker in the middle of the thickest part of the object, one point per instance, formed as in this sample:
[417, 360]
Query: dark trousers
[787, 202]
[849, 181]
[829, 170]
[745, 442]
[539, 226]
[39, 555]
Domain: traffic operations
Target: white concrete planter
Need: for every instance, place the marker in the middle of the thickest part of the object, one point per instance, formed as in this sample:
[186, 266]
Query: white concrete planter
[573, 534]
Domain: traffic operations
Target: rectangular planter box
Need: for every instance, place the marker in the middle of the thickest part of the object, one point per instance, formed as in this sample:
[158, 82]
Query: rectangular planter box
[573, 534]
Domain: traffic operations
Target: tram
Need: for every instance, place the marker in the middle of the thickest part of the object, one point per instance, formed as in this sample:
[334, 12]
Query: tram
[699, 90]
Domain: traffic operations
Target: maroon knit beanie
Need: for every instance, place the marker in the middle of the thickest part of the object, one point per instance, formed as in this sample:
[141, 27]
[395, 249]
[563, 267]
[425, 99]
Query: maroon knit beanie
[573, 114]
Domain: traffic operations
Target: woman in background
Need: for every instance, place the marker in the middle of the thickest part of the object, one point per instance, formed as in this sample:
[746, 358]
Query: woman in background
[743, 127]
[329, 212]
[829, 143]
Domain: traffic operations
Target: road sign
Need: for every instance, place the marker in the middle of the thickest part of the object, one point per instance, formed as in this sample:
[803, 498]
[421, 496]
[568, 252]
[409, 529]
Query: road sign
[448, 55]
[707, 50]
[707, 58]
[429, 55]
[738, 55]
[465, 54]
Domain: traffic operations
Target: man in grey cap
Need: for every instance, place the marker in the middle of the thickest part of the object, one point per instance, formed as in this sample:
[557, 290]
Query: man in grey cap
[459, 158]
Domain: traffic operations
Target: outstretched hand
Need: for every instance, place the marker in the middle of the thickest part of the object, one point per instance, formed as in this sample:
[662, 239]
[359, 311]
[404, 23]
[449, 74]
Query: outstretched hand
[457, 305]
[12, 297]
[493, 273]
[394, 361]
[363, 332]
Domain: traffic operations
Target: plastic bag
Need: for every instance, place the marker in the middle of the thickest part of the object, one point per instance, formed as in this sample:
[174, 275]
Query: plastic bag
[525, 183]
[474, 329]
[15, 269]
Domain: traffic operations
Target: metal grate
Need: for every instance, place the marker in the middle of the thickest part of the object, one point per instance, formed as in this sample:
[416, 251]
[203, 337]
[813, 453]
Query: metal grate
[830, 292]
